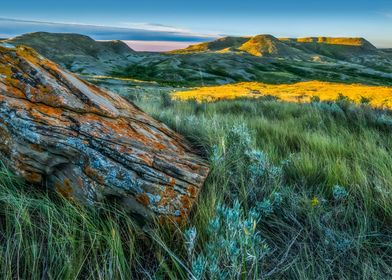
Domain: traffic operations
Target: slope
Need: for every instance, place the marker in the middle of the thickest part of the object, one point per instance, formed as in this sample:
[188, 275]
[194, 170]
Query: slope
[76, 52]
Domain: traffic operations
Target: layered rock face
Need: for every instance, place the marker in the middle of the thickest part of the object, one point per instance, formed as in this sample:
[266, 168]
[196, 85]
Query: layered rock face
[89, 144]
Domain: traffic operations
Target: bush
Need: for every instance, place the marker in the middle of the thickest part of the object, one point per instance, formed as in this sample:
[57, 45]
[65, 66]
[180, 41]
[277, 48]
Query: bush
[234, 248]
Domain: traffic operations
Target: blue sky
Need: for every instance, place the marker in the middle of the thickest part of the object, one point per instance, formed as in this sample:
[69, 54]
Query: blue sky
[190, 21]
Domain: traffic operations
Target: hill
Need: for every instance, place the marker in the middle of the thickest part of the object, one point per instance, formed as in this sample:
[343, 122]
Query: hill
[260, 45]
[212, 68]
[219, 45]
[267, 45]
[76, 52]
[262, 58]
[337, 48]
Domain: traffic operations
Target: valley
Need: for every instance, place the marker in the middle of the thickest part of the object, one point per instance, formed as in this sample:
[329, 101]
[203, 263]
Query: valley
[262, 58]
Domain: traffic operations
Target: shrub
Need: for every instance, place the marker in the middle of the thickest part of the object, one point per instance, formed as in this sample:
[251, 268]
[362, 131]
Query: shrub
[339, 193]
[234, 248]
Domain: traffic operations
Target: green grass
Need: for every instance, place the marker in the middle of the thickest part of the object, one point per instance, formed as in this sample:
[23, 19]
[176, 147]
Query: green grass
[271, 207]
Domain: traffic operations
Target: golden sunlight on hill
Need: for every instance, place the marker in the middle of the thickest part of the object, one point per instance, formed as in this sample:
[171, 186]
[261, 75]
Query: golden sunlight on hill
[379, 96]
[330, 40]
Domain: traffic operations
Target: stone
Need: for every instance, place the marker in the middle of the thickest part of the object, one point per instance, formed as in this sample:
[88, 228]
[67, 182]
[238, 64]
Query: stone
[91, 145]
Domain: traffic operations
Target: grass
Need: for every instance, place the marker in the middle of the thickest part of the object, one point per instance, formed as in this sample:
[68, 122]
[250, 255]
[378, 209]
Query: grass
[377, 96]
[296, 191]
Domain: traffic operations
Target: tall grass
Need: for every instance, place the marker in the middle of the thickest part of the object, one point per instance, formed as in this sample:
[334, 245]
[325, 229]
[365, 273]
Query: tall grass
[296, 191]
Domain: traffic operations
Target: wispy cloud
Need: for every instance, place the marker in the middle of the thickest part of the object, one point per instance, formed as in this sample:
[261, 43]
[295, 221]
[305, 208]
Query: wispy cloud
[386, 14]
[127, 31]
[153, 27]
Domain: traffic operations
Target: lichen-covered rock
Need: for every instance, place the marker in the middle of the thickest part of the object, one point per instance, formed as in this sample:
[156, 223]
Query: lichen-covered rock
[89, 144]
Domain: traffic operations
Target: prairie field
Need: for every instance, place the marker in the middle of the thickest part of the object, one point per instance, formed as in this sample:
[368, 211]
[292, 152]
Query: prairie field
[160, 140]
[377, 96]
[296, 191]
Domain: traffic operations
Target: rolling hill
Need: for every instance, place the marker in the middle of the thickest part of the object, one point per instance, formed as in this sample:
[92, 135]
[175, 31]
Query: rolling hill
[268, 45]
[260, 45]
[76, 52]
[262, 58]
[336, 48]
[265, 58]
[219, 45]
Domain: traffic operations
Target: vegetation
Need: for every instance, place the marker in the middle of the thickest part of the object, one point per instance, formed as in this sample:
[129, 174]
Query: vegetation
[377, 96]
[300, 191]
[221, 68]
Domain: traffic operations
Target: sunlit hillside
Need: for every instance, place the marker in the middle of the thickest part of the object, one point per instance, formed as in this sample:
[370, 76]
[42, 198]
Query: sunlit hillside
[377, 96]
[331, 41]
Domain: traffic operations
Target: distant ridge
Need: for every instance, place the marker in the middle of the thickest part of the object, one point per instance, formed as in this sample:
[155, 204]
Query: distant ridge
[262, 58]
[347, 41]
[339, 47]
[49, 44]
[268, 45]
[75, 51]
[221, 44]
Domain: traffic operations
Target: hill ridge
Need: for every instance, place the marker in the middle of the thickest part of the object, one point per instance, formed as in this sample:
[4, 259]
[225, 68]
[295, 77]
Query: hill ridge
[268, 45]
[75, 51]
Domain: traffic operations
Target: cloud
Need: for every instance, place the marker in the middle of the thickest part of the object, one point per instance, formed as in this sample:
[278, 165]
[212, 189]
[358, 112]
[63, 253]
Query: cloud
[153, 27]
[129, 31]
[386, 14]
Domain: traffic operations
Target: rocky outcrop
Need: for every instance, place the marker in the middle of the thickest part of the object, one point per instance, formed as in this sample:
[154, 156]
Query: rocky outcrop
[88, 144]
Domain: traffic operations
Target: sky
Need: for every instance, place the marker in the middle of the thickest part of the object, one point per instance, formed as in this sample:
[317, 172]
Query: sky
[162, 25]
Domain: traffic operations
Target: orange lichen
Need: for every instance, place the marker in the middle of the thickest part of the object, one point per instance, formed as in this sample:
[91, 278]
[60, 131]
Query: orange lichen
[65, 189]
[186, 202]
[143, 199]
[172, 182]
[93, 174]
[33, 177]
[193, 191]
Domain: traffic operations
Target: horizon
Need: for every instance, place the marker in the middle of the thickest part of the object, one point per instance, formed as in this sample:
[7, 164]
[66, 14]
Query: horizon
[157, 40]
[152, 25]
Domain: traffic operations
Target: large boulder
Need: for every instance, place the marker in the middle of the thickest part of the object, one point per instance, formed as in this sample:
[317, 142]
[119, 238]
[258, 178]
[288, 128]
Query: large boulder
[88, 144]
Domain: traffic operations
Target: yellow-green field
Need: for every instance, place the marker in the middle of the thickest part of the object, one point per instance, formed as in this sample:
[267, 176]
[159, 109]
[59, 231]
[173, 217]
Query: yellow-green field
[379, 96]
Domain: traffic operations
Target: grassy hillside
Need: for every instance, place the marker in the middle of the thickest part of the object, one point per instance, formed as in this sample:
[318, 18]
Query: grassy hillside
[337, 48]
[52, 44]
[221, 44]
[222, 68]
[76, 52]
[377, 96]
[296, 191]
[261, 58]
[267, 45]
